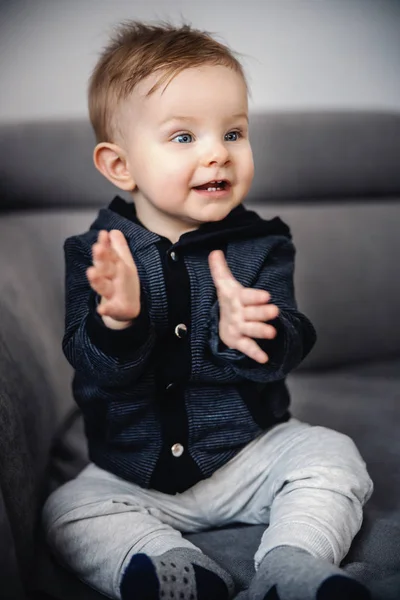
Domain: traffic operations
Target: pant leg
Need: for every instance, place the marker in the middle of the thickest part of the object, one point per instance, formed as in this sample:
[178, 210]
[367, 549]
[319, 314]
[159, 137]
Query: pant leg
[96, 522]
[320, 487]
[308, 483]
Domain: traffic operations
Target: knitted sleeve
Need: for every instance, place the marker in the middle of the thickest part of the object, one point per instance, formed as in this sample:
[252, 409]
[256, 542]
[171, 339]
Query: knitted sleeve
[295, 333]
[106, 356]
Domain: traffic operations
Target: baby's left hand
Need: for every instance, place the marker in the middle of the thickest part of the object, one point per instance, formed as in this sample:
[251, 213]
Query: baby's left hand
[243, 311]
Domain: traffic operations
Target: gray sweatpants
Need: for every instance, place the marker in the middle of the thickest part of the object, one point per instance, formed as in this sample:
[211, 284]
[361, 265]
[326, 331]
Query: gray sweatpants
[307, 483]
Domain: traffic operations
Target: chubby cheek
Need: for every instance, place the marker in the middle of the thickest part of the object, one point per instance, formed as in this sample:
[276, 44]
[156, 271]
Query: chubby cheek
[171, 159]
[177, 174]
[172, 181]
[169, 188]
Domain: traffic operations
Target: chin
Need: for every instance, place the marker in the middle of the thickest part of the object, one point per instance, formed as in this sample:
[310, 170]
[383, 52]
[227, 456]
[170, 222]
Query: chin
[221, 212]
[212, 213]
[215, 218]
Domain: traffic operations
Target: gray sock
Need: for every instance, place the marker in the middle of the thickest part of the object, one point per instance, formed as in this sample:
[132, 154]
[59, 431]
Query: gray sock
[179, 574]
[290, 573]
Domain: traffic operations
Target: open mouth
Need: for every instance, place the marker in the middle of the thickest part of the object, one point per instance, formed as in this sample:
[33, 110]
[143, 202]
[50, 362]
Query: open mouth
[213, 186]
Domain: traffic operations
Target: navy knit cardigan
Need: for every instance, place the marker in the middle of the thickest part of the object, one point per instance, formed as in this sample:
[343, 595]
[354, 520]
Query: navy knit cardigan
[165, 403]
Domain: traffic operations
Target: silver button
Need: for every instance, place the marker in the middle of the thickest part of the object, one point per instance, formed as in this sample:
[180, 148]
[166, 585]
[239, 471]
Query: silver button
[174, 256]
[177, 450]
[180, 330]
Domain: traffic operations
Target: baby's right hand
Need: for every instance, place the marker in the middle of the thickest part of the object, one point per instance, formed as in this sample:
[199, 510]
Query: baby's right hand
[115, 278]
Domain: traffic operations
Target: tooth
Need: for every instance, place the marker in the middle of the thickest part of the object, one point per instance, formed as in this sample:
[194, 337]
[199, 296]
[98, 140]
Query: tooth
[211, 189]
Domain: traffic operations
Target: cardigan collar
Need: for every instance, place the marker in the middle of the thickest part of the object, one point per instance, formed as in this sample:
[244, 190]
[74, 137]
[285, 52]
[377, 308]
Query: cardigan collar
[239, 224]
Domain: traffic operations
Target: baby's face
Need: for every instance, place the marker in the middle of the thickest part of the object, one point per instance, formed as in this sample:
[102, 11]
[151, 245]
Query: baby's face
[181, 142]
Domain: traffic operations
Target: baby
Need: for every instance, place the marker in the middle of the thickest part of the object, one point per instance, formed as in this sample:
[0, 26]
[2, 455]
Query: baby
[181, 326]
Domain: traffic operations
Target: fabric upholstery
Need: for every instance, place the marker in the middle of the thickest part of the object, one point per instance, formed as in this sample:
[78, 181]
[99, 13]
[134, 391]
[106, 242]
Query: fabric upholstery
[346, 277]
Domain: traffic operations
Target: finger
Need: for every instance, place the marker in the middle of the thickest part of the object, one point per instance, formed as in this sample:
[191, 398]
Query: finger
[102, 244]
[252, 350]
[102, 252]
[101, 285]
[220, 272]
[218, 265]
[103, 288]
[225, 283]
[120, 246]
[104, 309]
[258, 330]
[103, 238]
[251, 296]
[264, 312]
[104, 262]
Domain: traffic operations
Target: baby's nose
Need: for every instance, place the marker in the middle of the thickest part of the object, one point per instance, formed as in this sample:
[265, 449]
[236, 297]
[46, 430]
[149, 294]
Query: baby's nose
[217, 154]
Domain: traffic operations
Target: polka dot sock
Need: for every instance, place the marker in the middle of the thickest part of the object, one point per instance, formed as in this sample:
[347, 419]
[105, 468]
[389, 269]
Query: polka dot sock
[179, 574]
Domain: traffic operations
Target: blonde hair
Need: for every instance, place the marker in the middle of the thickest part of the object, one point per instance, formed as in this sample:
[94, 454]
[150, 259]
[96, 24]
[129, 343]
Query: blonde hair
[138, 50]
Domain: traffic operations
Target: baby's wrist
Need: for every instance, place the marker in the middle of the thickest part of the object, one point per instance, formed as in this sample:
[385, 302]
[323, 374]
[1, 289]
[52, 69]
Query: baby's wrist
[114, 324]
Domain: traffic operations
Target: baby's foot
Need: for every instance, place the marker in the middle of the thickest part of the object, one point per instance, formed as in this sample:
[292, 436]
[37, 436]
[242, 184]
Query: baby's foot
[289, 573]
[179, 574]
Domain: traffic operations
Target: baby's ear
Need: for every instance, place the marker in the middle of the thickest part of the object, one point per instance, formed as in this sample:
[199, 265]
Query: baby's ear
[111, 161]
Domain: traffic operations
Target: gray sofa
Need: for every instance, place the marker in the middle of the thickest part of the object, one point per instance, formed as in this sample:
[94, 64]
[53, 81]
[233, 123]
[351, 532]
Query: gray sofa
[335, 178]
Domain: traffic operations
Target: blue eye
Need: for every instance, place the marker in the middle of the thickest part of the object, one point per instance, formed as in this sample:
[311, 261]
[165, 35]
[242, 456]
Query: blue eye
[232, 136]
[183, 138]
